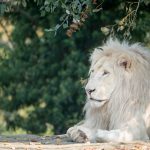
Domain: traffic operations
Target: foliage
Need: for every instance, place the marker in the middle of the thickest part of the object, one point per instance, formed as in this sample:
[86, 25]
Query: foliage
[40, 79]
[40, 75]
[75, 12]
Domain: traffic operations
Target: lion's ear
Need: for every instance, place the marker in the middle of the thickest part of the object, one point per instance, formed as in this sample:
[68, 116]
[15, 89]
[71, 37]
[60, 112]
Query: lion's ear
[125, 63]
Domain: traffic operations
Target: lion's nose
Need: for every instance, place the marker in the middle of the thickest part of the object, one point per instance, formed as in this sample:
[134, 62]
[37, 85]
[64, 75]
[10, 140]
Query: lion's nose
[89, 91]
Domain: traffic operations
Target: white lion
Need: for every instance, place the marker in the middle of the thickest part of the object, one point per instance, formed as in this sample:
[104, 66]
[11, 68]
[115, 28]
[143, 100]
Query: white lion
[118, 95]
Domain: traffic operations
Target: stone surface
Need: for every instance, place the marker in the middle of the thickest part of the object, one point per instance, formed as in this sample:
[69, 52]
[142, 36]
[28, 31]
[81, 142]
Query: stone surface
[61, 142]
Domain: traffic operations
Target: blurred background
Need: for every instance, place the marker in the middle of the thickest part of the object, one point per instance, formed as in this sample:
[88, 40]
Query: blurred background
[44, 57]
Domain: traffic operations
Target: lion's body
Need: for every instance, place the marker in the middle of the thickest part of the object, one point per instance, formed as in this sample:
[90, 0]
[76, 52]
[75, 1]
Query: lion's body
[124, 113]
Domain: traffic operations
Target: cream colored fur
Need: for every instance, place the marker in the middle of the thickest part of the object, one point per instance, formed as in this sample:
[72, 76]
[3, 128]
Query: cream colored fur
[119, 75]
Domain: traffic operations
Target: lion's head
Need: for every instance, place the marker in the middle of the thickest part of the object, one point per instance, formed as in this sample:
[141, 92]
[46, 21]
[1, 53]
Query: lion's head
[116, 66]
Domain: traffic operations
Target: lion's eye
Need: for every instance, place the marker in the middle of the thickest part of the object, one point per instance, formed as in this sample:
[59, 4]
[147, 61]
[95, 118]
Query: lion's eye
[105, 72]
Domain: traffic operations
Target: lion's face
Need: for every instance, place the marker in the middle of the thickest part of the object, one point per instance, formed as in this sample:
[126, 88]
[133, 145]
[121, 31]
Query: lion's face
[102, 82]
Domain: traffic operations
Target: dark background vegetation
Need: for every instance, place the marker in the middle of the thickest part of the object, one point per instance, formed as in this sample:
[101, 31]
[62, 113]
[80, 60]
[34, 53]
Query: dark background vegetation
[41, 73]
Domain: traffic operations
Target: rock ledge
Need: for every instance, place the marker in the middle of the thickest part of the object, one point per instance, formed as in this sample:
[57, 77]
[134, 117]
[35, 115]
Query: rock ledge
[61, 142]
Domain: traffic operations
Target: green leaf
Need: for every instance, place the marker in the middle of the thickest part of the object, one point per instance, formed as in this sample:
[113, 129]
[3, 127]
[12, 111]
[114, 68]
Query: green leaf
[65, 25]
[46, 2]
[62, 17]
[42, 13]
[64, 6]
[2, 8]
[24, 3]
[97, 10]
[57, 26]
[50, 30]
[67, 12]
[147, 2]
[47, 8]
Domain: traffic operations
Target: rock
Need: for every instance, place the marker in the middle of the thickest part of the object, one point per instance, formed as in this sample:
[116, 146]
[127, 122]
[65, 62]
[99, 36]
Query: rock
[61, 142]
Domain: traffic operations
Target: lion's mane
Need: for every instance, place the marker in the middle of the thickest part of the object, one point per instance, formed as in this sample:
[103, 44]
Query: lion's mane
[132, 95]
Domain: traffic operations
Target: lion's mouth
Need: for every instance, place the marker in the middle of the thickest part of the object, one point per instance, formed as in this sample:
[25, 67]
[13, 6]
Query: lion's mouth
[98, 100]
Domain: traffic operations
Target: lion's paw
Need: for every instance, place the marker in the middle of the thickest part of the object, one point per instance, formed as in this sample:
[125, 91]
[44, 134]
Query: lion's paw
[77, 135]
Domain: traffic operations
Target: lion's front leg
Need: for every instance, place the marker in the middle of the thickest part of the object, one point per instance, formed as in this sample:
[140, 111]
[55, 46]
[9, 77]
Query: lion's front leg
[81, 134]
[110, 136]
[134, 130]
[119, 135]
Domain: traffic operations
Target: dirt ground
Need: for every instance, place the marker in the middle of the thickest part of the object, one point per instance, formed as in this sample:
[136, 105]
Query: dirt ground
[61, 142]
